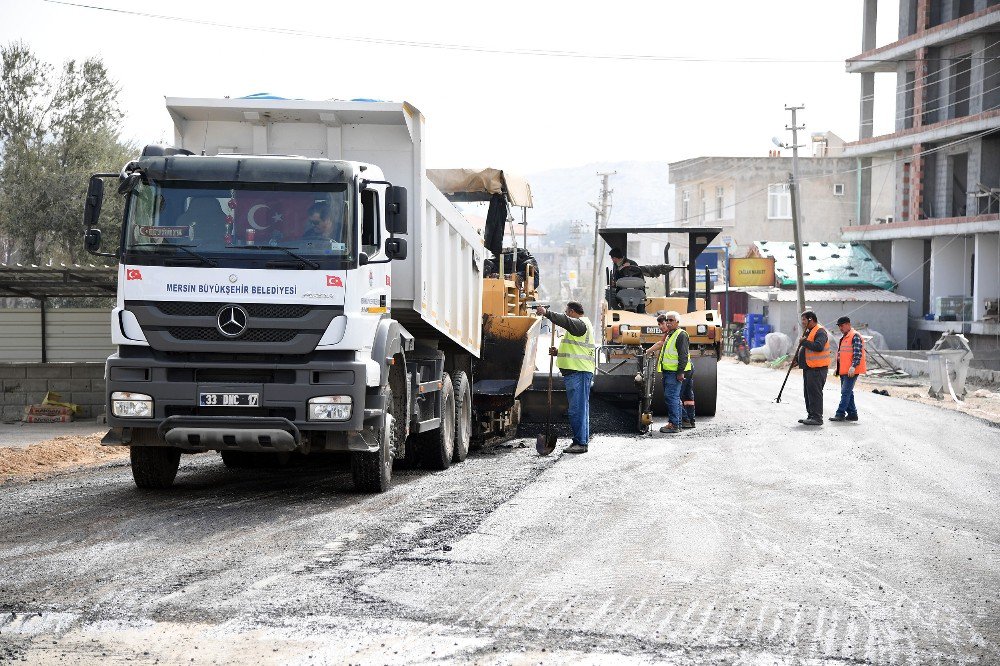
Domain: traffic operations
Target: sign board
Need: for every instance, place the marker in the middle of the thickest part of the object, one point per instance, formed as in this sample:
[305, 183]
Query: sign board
[705, 260]
[752, 272]
[573, 279]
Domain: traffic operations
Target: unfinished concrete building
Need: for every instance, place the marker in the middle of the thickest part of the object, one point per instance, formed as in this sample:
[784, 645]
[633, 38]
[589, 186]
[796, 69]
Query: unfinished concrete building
[942, 244]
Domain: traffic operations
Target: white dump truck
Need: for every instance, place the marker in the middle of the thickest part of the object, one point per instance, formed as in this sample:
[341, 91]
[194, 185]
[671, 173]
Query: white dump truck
[290, 280]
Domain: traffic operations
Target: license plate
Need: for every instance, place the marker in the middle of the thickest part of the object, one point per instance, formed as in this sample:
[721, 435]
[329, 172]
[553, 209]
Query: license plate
[652, 330]
[230, 399]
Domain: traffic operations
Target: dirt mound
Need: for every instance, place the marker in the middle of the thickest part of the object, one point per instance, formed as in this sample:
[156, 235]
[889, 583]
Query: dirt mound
[39, 460]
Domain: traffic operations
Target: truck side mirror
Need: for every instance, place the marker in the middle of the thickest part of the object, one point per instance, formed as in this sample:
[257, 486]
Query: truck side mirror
[92, 240]
[395, 248]
[95, 199]
[395, 210]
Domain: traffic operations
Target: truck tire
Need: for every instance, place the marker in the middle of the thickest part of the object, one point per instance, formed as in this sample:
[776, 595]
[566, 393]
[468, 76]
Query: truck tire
[154, 466]
[372, 472]
[706, 384]
[437, 447]
[463, 416]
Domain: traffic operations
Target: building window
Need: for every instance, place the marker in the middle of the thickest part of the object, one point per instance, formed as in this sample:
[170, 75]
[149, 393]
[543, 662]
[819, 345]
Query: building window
[838, 189]
[704, 206]
[719, 192]
[779, 202]
[685, 205]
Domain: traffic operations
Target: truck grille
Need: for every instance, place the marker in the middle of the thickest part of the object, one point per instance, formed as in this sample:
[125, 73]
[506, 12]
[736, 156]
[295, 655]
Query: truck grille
[251, 335]
[262, 310]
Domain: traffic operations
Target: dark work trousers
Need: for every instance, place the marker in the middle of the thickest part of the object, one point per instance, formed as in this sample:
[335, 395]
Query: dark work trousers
[813, 380]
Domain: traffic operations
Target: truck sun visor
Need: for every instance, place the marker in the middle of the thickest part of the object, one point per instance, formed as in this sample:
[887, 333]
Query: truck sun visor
[241, 170]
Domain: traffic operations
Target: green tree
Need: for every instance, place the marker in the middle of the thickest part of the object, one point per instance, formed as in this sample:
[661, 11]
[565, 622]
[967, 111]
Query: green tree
[53, 135]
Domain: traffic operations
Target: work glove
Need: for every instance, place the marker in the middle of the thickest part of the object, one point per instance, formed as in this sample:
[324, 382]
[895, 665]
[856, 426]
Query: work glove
[553, 351]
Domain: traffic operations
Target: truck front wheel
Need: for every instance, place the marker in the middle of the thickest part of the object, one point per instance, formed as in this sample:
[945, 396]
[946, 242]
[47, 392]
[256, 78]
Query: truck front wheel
[372, 472]
[154, 466]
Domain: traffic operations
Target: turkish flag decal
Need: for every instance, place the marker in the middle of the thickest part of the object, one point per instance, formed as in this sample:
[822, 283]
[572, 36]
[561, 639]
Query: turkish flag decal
[133, 274]
[334, 281]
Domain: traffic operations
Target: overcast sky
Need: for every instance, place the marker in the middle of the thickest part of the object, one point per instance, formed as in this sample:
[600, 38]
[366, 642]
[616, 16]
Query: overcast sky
[483, 108]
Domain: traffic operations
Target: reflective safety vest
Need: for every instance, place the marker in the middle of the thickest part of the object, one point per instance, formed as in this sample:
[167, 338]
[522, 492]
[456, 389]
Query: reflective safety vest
[845, 355]
[669, 357]
[576, 352]
[817, 359]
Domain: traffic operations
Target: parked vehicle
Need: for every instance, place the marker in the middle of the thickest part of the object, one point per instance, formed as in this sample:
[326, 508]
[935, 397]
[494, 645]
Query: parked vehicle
[290, 281]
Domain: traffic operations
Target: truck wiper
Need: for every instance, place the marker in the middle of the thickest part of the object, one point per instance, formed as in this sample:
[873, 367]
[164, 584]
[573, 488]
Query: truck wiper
[305, 262]
[187, 248]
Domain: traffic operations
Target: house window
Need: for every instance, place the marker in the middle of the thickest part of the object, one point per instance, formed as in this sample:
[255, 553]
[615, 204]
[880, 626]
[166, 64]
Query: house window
[838, 189]
[719, 192]
[779, 202]
[685, 205]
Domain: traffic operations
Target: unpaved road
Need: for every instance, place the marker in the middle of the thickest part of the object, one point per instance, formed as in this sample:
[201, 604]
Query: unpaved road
[749, 540]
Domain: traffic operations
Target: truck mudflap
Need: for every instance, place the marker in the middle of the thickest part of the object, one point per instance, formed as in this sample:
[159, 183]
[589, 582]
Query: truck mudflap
[246, 433]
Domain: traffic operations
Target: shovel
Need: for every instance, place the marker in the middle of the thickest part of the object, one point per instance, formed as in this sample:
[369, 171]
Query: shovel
[790, 366]
[546, 444]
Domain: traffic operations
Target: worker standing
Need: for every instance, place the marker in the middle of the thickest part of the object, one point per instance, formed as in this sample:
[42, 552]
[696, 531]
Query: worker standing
[814, 359]
[674, 362]
[575, 360]
[851, 362]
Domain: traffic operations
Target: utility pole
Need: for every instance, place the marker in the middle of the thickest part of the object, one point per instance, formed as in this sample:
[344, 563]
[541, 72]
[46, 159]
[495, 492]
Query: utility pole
[793, 190]
[601, 222]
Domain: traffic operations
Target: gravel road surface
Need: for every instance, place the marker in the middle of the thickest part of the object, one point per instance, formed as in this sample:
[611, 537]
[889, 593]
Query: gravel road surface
[751, 539]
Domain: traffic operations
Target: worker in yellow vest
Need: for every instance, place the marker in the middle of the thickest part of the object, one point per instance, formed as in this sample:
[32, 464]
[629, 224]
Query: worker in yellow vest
[675, 364]
[814, 359]
[851, 362]
[575, 360]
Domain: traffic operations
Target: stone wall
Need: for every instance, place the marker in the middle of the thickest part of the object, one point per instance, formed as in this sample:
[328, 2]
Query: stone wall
[27, 383]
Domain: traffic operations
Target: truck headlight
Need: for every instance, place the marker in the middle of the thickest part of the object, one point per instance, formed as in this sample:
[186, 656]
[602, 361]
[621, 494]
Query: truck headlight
[702, 329]
[131, 405]
[330, 408]
[623, 328]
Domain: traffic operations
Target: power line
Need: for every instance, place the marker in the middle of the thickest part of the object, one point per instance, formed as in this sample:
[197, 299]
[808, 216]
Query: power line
[549, 53]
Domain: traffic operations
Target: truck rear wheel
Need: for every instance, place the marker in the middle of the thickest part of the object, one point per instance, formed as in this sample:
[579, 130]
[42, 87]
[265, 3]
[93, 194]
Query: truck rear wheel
[706, 384]
[463, 416]
[438, 446]
[154, 466]
[372, 472]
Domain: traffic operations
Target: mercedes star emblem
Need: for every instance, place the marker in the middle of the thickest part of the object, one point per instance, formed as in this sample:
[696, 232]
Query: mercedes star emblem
[232, 321]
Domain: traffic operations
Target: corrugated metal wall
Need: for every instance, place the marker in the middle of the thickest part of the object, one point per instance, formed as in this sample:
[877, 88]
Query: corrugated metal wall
[72, 334]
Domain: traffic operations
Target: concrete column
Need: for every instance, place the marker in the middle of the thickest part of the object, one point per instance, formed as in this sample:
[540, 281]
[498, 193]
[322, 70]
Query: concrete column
[948, 267]
[908, 270]
[868, 25]
[986, 281]
[866, 130]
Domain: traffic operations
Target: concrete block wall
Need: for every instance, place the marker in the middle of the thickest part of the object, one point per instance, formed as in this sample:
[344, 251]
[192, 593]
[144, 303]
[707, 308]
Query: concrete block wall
[24, 384]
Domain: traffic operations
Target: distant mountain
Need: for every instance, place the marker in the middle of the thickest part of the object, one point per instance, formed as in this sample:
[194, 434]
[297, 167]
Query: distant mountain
[642, 196]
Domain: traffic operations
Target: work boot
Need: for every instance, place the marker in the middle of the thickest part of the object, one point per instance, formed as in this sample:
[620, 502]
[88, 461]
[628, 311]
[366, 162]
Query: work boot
[838, 417]
[812, 422]
[670, 429]
[803, 420]
[575, 448]
[851, 417]
[687, 424]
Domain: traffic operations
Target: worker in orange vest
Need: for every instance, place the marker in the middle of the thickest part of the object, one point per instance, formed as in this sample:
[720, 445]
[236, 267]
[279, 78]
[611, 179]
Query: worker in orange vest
[814, 359]
[851, 362]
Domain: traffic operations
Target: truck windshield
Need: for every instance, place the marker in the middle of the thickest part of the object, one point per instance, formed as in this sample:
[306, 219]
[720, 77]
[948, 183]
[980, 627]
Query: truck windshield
[243, 225]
